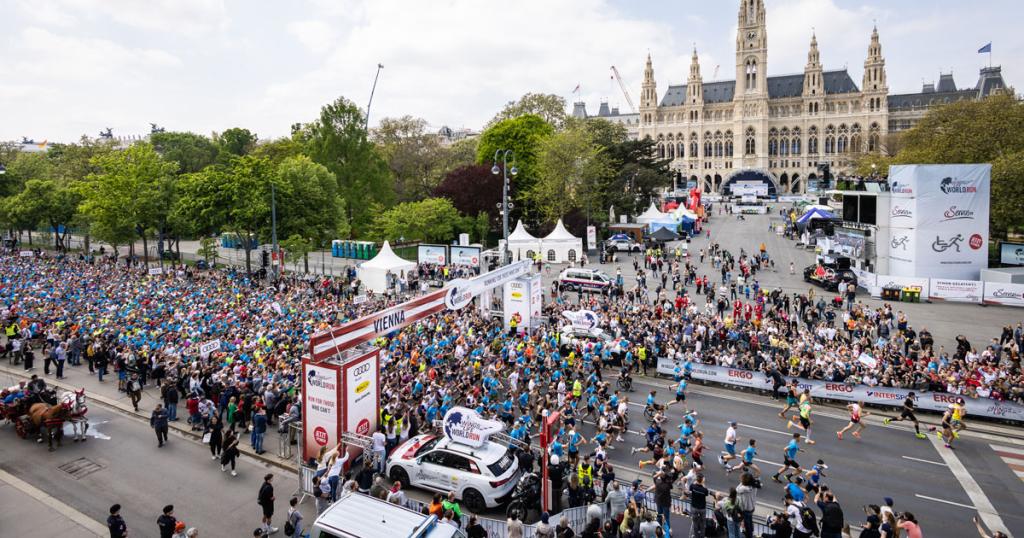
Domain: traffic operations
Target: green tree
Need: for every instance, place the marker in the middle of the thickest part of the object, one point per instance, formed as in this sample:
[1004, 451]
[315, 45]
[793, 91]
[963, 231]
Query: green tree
[191, 151]
[130, 191]
[236, 141]
[431, 220]
[278, 149]
[297, 248]
[569, 163]
[548, 106]
[208, 248]
[990, 130]
[414, 156]
[525, 136]
[50, 202]
[311, 207]
[337, 140]
[21, 168]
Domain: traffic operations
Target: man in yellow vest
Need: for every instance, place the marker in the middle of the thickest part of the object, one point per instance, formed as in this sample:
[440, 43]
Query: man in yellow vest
[641, 355]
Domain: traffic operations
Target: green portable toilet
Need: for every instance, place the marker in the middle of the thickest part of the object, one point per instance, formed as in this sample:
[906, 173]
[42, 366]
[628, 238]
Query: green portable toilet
[373, 250]
[364, 250]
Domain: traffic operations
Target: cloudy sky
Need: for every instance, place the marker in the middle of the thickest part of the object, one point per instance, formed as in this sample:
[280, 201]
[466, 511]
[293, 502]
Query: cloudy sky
[72, 67]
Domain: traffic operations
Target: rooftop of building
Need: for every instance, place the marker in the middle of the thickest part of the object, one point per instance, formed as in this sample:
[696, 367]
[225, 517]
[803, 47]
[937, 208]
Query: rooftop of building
[779, 87]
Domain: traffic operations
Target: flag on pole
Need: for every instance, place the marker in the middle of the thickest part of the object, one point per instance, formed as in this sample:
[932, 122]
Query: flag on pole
[986, 48]
[576, 89]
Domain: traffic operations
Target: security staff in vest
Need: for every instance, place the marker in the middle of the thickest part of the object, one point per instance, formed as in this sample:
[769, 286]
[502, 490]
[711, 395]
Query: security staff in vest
[641, 354]
[585, 472]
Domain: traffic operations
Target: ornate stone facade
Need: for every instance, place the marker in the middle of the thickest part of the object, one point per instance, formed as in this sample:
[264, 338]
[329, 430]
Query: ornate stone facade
[784, 125]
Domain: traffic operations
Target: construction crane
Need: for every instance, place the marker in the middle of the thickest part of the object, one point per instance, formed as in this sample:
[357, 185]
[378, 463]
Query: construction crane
[615, 73]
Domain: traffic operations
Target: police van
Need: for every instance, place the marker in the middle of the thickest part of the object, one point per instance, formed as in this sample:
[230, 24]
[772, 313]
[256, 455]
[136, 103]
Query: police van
[356, 515]
[584, 280]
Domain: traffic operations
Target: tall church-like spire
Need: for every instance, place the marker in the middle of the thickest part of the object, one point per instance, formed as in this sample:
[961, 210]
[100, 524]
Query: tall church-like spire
[814, 84]
[648, 93]
[751, 50]
[694, 84]
[874, 66]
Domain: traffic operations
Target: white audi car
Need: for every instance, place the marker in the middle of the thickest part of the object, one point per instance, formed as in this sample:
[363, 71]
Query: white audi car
[482, 477]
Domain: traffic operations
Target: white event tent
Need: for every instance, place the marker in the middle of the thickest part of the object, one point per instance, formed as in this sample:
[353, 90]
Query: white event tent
[560, 246]
[373, 273]
[521, 245]
[652, 215]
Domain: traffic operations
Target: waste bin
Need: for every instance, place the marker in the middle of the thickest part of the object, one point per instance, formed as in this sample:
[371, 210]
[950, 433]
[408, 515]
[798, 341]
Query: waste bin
[891, 294]
[911, 294]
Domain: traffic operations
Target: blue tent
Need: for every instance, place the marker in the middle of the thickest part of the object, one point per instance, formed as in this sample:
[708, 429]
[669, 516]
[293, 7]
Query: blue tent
[815, 213]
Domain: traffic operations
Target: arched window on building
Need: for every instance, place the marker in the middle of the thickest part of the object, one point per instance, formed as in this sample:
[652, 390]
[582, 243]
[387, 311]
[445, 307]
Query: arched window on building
[681, 149]
[708, 148]
[830, 140]
[842, 144]
[661, 150]
[572, 254]
[750, 145]
[671, 151]
[719, 147]
[873, 137]
[551, 255]
[773, 142]
[794, 146]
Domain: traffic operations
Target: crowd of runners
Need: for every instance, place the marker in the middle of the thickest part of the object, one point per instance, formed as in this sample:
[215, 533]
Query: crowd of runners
[705, 307]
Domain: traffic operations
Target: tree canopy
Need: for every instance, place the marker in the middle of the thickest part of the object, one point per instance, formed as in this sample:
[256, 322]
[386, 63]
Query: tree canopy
[551, 108]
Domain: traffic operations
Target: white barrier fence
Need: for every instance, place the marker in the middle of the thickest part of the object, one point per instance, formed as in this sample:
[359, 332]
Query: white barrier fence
[893, 397]
[945, 289]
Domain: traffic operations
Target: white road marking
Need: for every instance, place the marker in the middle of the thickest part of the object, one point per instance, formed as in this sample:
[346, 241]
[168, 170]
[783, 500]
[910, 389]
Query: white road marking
[936, 499]
[772, 463]
[924, 461]
[787, 434]
[982, 504]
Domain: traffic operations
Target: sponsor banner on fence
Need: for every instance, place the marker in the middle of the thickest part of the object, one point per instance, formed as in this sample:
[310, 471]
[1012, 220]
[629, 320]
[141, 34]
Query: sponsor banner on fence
[26, 254]
[865, 279]
[944, 289]
[894, 397]
[900, 282]
[1004, 293]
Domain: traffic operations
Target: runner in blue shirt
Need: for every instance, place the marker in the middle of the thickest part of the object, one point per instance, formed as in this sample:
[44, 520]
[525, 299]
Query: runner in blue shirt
[680, 395]
[748, 460]
[814, 476]
[789, 459]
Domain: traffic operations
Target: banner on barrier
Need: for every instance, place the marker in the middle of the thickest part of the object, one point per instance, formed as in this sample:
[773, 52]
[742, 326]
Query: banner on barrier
[900, 282]
[432, 254]
[894, 397]
[1004, 294]
[944, 289]
[462, 255]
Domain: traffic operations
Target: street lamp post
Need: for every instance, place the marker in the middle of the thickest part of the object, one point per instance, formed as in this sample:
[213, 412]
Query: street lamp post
[273, 232]
[505, 205]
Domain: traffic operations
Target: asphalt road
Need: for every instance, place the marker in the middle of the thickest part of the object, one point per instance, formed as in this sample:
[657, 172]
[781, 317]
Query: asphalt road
[886, 462]
[127, 468]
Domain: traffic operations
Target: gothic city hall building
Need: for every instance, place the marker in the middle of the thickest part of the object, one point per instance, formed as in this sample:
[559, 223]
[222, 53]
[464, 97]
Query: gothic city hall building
[780, 128]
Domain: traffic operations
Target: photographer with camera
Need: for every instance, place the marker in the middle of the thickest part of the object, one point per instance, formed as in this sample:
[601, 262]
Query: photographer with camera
[780, 526]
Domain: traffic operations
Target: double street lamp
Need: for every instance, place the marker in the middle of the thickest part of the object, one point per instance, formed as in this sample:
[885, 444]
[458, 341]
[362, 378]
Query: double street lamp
[505, 207]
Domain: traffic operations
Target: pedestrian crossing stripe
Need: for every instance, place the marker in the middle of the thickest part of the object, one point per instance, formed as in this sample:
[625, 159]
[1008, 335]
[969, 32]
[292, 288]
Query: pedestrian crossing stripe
[1012, 457]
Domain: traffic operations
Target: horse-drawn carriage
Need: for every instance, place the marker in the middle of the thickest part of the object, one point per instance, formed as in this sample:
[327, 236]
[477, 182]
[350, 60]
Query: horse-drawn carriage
[43, 413]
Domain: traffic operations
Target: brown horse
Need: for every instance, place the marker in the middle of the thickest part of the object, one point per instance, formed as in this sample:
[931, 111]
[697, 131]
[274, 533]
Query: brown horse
[51, 418]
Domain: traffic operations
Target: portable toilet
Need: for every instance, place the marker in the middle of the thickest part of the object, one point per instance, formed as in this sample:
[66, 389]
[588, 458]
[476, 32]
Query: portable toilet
[335, 245]
[373, 250]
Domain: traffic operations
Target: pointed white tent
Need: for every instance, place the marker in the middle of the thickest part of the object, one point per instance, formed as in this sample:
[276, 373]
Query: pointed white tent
[651, 215]
[521, 245]
[373, 273]
[560, 246]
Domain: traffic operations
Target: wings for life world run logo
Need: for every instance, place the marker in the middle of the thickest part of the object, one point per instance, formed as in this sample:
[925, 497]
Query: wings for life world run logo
[319, 382]
[901, 188]
[949, 185]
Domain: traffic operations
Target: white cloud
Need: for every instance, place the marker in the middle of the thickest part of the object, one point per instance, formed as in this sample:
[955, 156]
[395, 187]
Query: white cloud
[459, 61]
[315, 35]
[188, 17]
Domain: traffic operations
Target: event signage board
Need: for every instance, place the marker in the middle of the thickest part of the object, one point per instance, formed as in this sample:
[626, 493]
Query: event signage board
[749, 188]
[209, 347]
[432, 254]
[893, 397]
[536, 298]
[362, 393]
[1011, 253]
[26, 254]
[517, 303]
[320, 415]
[947, 206]
[1004, 294]
[591, 237]
[582, 319]
[465, 255]
[156, 270]
[327, 343]
[465, 426]
[944, 289]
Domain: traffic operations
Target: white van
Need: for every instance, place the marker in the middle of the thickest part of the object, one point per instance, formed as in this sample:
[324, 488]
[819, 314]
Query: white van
[584, 280]
[356, 515]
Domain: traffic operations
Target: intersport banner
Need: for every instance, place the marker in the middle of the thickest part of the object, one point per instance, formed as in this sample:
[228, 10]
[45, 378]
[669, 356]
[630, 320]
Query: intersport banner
[966, 291]
[931, 401]
[1004, 294]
